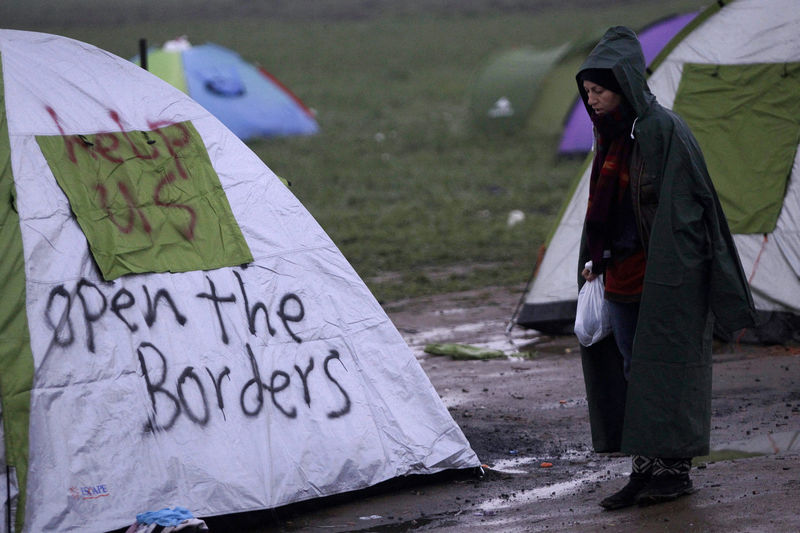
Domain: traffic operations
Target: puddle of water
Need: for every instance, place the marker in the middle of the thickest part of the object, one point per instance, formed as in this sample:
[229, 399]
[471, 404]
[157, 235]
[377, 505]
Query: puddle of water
[560, 404]
[557, 489]
[447, 332]
[767, 444]
[576, 456]
[723, 455]
[511, 466]
[453, 311]
[460, 332]
[773, 443]
[441, 520]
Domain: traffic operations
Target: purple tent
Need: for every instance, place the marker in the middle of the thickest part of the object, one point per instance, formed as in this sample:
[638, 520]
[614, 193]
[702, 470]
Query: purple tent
[577, 136]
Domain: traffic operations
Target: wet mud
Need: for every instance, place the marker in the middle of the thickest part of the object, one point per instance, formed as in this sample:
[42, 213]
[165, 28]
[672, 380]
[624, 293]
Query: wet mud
[526, 417]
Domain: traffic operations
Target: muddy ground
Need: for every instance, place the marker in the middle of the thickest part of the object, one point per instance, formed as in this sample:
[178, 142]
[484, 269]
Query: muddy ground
[527, 420]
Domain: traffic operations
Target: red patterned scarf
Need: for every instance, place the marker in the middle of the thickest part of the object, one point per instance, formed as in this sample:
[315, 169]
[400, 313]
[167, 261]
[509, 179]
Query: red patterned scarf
[609, 179]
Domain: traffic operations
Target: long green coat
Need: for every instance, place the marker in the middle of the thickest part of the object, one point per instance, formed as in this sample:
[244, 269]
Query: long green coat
[693, 276]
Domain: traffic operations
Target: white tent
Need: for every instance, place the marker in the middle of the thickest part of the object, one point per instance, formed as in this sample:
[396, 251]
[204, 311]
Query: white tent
[734, 74]
[176, 329]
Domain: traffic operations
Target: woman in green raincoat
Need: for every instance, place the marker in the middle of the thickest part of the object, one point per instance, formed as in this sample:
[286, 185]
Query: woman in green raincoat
[655, 229]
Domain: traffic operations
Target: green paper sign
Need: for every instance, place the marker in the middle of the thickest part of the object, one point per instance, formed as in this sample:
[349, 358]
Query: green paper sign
[147, 201]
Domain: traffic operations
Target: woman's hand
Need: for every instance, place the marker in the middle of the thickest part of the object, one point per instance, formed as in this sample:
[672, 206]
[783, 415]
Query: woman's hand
[588, 275]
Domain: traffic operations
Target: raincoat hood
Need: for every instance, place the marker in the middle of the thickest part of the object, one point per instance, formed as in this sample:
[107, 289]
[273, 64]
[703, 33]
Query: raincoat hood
[619, 51]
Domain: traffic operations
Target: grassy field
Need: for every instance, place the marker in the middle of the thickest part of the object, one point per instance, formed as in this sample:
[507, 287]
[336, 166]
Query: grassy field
[415, 198]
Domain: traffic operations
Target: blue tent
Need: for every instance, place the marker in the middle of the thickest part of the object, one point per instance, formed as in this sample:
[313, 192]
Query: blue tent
[246, 98]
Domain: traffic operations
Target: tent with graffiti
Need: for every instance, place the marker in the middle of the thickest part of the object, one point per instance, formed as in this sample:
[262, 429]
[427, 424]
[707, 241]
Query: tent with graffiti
[735, 78]
[249, 100]
[526, 87]
[177, 330]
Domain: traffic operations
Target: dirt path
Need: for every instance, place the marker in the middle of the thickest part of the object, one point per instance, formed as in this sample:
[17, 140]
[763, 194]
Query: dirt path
[527, 419]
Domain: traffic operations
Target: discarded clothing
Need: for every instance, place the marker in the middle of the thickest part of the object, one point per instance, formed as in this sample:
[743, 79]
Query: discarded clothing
[463, 351]
[169, 516]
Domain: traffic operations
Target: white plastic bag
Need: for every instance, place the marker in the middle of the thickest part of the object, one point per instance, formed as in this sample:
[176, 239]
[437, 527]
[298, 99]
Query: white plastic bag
[592, 322]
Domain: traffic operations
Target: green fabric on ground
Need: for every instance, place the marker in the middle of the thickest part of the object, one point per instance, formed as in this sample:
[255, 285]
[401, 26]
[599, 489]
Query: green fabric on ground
[463, 351]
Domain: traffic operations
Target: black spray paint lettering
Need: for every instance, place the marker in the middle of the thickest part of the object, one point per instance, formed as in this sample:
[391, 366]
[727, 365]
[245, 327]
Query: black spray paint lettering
[178, 403]
[218, 300]
[217, 381]
[170, 402]
[156, 389]
[94, 306]
[92, 311]
[117, 306]
[304, 378]
[64, 319]
[261, 387]
[187, 374]
[161, 294]
[255, 380]
[189, 395]
[334, 355]
[286, 317]
[290, 309]
[252, 312]
[90, 316]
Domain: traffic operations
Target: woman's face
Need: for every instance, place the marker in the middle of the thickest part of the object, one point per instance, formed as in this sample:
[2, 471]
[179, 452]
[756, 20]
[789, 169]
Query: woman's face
[601, 99]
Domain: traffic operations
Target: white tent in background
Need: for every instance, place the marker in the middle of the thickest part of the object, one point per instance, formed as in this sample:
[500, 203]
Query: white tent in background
[734, 74]
[176, 328]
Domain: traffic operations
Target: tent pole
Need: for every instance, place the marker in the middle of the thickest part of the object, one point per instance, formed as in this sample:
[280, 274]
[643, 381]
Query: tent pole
[143, 53]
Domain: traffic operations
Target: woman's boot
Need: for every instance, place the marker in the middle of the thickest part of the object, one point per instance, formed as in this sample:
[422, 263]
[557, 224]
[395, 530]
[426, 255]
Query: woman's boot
[641, 473]
[669, 480]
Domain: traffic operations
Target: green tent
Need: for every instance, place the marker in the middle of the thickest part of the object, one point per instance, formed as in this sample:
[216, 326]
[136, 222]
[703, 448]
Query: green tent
[515, 83]
[532, 88]
[736, 82]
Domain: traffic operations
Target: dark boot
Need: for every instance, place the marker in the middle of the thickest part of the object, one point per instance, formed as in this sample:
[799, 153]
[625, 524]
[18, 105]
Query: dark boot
[627, 495]
[641, 468]
[670, 480]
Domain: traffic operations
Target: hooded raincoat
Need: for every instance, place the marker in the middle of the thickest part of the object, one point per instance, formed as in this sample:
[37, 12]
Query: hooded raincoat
[693, 277]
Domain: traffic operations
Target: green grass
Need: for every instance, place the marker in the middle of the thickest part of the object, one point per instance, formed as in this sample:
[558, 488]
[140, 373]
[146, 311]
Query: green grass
[398, 177]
